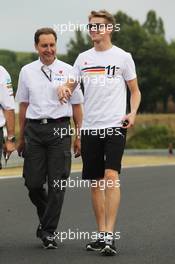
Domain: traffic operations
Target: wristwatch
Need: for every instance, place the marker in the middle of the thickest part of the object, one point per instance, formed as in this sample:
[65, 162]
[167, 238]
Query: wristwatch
[11, 139]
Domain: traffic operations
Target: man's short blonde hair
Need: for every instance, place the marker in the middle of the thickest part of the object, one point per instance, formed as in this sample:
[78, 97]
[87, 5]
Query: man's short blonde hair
[104, 14]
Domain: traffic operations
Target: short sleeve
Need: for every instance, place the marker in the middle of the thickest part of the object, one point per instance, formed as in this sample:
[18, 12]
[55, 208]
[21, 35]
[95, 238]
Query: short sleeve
[6, 91]
[77, 96]
[22, 94]
[76, 71]
[129, 71]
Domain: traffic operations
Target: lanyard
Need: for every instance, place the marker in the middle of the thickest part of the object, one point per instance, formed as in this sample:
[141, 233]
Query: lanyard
[49, 77]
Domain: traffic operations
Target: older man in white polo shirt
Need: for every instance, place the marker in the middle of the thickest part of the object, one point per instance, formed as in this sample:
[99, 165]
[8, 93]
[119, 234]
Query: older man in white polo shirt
[47, 155]
[7, 116]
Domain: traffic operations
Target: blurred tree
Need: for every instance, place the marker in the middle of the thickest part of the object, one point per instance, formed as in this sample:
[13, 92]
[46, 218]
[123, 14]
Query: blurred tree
[154, 25]
[8, 59]
[153, 55]
[80, 44]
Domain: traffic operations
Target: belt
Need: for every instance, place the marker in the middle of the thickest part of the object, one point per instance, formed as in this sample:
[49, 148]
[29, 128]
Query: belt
[45, 121]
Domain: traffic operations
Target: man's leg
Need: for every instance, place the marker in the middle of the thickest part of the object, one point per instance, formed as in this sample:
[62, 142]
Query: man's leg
[114, 147]
[59, 163]
[98, 203]
[106, 211]
[35, 177]
[112, 198]
[35, 168]
[39, 198]
[92, 150]
[112, 201]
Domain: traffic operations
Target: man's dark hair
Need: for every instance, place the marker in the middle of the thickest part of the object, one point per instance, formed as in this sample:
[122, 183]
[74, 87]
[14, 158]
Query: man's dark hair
[45, 31]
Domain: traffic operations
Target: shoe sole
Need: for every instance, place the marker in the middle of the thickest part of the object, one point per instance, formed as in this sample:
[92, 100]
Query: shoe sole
[50, 246]
[107, 251]
[89, 248]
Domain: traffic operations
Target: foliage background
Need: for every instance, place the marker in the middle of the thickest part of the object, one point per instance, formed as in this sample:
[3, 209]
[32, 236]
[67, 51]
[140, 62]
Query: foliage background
[155, 63]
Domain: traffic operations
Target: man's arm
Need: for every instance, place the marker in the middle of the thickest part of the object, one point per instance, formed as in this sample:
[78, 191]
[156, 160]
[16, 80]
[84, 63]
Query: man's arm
[10, 122]
[74, 77]
[65, 91]
[22, 121]
[134, 102]
[8, 107]
[10, 126]
[77, 117]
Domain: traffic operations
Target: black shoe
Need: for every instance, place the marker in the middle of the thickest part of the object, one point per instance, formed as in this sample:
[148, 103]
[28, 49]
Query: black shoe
[109, 248]
[39, 231]
[49, 242]
[96, 245]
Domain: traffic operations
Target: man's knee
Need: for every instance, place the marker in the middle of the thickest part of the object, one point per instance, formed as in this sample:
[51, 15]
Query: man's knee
[111, 179]
[34, 193]
[58, 185]
[111, 174]
[97, 185]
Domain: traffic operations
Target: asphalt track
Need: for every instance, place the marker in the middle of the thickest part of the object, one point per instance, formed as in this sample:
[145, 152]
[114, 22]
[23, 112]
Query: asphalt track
[146, 222]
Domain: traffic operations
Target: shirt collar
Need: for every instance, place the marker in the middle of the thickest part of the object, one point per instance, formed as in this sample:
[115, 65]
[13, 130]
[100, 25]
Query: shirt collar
[51, 66]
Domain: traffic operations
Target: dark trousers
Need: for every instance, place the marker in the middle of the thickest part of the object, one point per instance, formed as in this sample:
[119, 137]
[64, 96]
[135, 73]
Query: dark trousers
[47, 160]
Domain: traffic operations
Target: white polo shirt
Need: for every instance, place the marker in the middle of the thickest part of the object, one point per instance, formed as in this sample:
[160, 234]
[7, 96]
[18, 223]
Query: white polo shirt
[35, 88]
[104, 75]
[6, 94]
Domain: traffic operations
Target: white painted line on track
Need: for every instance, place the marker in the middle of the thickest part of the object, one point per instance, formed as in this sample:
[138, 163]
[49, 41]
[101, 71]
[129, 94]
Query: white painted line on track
[77, 171]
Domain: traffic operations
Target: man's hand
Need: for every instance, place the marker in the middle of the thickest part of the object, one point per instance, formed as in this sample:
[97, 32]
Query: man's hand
[8, 148]
[20, 148]
[77, 147]
[130, 120]
[134, 102]
[64, 94]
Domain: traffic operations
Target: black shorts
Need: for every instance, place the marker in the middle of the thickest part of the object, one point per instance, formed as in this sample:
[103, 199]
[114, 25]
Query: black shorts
[102, 149]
